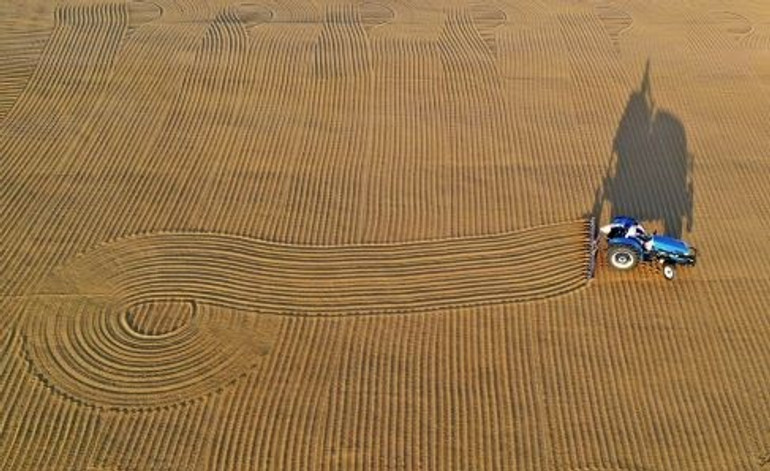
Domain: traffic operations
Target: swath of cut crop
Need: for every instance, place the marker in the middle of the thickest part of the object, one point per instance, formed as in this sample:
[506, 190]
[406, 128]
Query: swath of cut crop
[539, 81]
[595, 68]
[404, 188]
[479, 146]
[615, 21]
[160, 317]
[487, 19]
[73, 68]
[22, 40]
[375, 14]
[732, 23]
[329, 152]
[39, 135]
[212, 119]
[254, 275]
[338, 51]
[31, 414]
[142, 12]
[97, 353]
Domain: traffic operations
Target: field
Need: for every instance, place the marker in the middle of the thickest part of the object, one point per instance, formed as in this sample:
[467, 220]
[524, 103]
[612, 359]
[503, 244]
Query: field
[320, 236]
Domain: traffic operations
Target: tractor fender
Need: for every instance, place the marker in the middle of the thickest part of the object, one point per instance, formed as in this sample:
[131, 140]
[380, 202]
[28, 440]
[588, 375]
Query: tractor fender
[627, 241]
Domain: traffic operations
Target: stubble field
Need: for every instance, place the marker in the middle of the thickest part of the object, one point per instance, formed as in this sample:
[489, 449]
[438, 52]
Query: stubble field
[308, 235]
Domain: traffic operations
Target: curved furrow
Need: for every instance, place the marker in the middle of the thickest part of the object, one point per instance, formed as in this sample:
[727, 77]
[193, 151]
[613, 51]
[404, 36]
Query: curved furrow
[217, 123]
[254, 282]
[147, 57]
[155, 97]
[232, 249]
[757, 39]
[230, 273]
[167, 318]
[258, 276]
[283, 92]
[341, 49]
[66, 87]
[409, 194]
[482, 146]
[41, 136]
[389, 250]
[404, 300]
[225, 149]
[20, 49]
[616, 21]
[86, 351]
[333, 143]
[219, 259]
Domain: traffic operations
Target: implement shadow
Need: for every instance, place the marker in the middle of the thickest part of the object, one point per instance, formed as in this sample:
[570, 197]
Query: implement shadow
[649, 175]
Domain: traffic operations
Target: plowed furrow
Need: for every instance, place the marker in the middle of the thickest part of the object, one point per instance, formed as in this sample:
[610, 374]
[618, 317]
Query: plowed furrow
[20, 49]
[254, 275]
[65, 89]
[88, 353]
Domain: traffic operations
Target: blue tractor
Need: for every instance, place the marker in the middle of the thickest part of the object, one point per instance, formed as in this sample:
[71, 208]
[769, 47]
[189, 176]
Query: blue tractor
[628, 244]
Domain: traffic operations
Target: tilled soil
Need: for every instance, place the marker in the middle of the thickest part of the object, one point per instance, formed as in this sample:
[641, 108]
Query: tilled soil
[256, 235]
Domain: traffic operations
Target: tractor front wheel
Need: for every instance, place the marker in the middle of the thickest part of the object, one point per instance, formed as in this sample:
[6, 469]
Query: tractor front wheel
[669, 271]
[623, 257]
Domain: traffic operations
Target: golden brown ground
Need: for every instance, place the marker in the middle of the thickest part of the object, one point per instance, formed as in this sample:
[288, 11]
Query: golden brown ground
[307, 235]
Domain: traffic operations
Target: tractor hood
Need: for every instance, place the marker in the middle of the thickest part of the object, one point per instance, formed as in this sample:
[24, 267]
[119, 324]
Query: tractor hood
[670, 245]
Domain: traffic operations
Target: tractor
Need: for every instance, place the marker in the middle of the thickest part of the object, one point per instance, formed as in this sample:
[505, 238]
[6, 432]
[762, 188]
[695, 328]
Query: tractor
[628, 244]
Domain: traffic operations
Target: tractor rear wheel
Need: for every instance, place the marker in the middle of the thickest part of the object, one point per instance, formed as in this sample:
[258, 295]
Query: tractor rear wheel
[623, 257]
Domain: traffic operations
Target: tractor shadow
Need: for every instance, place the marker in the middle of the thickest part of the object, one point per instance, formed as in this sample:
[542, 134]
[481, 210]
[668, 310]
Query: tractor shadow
[649, 175]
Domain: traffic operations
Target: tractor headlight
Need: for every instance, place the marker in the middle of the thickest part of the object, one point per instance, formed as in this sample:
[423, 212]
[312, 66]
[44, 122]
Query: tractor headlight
[692, 254]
